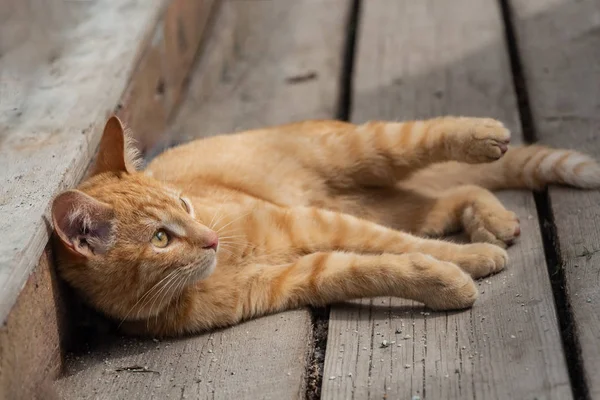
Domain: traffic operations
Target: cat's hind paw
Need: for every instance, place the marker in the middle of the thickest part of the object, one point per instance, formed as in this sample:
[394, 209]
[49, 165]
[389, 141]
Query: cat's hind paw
[496, 226]
[481, 259]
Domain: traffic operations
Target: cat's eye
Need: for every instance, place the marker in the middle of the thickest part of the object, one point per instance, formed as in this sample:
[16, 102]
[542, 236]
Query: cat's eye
[186, 206]
[160, 239]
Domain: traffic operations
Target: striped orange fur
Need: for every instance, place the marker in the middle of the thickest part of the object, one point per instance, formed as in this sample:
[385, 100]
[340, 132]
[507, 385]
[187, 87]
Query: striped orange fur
[307, 214]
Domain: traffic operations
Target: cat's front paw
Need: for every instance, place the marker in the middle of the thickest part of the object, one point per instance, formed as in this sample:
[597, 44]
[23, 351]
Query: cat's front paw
[458, 290]
[441, 285]
[487, 224]
[483, 140]
[481, 259]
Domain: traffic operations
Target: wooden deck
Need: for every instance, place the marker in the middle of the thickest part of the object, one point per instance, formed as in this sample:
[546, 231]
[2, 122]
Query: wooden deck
[535, 330]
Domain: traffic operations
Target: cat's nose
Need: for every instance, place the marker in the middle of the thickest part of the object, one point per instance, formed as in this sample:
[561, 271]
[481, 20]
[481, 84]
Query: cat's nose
[212, 242]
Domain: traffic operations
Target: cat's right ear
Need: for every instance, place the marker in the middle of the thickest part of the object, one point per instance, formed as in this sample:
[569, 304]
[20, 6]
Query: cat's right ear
[112, 154]
[83, 224]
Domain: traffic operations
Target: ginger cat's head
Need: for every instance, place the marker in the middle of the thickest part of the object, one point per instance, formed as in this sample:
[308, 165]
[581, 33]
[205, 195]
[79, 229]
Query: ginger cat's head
[125, 241]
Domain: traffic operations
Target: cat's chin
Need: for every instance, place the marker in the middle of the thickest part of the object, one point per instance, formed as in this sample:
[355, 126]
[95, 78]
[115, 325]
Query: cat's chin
[204, 270]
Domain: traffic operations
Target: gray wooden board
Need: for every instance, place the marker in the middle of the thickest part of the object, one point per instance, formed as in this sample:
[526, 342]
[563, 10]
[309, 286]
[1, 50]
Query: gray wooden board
[250, 51]
[260, 359]
[417, 60]
[283, 70]
[63, 67]
[559, 42]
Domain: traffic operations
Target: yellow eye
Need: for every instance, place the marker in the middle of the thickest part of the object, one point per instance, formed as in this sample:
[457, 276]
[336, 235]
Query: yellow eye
[160, 239]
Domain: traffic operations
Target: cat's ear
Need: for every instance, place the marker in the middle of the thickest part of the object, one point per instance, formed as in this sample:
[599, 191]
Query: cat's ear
[116, 154]
[83, 224]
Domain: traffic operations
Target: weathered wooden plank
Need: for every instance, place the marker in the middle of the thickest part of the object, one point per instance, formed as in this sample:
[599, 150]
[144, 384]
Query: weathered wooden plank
[30, 337]
[423, 59]
[63, 67]
[260, 359]
[254, 46]
[296, 69]
[159, 79]
[559, 43]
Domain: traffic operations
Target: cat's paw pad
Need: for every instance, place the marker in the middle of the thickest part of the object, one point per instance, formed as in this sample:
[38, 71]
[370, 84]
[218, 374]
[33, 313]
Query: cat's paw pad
[492, 225]
[481, 259]
[486, 140]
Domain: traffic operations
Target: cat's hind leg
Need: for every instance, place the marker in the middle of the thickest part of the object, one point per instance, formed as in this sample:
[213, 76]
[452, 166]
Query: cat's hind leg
[310, 230]
[475, 210]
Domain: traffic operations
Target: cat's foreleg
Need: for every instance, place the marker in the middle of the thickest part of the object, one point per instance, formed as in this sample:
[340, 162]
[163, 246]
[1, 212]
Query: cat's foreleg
[315, 279]
[326, 277]
[381, 153]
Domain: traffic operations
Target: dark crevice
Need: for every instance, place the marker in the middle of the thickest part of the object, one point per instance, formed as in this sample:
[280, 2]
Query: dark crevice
[568, 330]
[320, 316]
[349, 50]
[516, 66]
[320, 324]
[554, 258]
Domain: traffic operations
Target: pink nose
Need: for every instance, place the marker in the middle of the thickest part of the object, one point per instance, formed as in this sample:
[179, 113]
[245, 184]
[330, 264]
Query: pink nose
[212, 242]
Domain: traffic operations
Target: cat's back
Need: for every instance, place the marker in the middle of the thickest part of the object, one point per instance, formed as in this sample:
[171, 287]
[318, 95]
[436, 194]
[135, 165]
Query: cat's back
[237, 154]
[230, 147]
[262, 162]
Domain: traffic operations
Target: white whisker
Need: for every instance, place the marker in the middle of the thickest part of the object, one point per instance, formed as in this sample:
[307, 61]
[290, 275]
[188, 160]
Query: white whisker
[227, 251]
[156, 296]
[180, 277]
[147, 293]
[217, 212]
[231, 237]
[234, 243]
[234, 220]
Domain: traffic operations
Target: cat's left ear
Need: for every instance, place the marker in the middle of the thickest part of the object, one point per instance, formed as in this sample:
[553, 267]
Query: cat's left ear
[83, 224]
[116, 154]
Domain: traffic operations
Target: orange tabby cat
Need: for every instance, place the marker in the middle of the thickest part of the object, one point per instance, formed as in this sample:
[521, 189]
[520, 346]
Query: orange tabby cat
[300, 211]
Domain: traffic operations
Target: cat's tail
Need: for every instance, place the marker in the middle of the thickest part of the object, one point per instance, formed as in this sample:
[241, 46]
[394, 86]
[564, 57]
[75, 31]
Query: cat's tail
[522, 167]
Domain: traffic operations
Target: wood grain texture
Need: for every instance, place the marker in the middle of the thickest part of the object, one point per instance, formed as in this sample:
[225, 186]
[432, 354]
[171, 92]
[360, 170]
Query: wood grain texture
[252, 47]
[63, 68]
[562, 76]
[260, 359]
[265, 78]
[30, 338]
[160, 77]
[417, 60]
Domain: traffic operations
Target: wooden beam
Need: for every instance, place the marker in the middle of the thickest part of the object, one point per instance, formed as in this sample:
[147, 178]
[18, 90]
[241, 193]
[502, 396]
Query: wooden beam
[418, 59]
[559, 43]
[30, 338]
